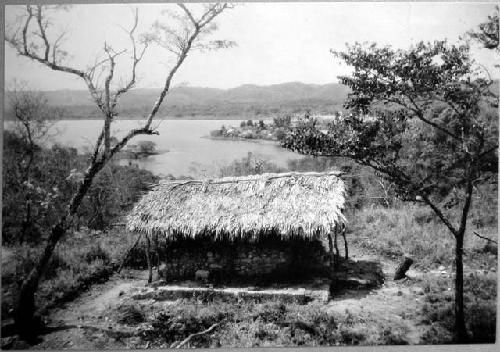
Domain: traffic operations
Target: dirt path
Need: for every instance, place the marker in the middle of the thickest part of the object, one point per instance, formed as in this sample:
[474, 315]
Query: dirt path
[395, 302]
[88, 322]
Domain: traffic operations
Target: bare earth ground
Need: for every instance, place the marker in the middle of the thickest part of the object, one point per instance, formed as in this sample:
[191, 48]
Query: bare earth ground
[90, 321]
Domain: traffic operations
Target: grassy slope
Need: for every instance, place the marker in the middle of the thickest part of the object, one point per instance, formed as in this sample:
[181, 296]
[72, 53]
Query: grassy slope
[80, 260]
[414, 230]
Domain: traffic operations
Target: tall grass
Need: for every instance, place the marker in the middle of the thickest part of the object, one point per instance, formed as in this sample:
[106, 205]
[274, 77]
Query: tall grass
[416, 230]
[80, 260]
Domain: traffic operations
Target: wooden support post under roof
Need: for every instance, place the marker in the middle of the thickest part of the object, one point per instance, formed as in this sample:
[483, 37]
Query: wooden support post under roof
[335, 244]
[157, 251]
[148, 259]
[346, 249]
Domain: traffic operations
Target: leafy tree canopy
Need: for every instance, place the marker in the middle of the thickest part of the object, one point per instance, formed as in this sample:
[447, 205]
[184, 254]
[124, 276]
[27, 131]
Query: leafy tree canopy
[424, 118]
[489, 33]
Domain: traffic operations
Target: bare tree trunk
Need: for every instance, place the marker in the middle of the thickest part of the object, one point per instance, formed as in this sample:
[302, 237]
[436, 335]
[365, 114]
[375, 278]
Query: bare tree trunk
[25, 306]
[460, 329]
[27, 221]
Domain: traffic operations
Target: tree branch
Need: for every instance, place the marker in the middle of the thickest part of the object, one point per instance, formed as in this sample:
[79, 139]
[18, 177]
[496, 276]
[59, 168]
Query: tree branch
[484, 238]
[418, 112]
[190, 337]
[25, 28]
[440, 214]
[43, 35]
[189, 14]
[136, 60]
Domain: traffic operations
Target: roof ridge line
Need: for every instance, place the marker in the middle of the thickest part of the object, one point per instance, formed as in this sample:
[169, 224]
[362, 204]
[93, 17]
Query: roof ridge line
[266, 176]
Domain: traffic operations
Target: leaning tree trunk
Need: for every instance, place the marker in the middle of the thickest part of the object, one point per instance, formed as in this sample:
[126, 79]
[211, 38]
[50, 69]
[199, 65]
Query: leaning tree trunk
[460, 329]
[25, 305]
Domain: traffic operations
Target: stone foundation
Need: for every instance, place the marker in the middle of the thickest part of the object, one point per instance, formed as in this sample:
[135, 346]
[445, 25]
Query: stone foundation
[225, 260]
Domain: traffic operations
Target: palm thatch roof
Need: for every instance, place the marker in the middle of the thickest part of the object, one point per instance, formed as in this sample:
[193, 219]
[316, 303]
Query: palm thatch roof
[302, 204]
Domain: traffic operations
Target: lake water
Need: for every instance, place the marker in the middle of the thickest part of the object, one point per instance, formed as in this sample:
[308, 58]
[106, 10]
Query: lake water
[188, 152]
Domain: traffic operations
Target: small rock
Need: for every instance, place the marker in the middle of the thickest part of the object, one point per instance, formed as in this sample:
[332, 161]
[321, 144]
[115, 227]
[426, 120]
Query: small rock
[441, 268]
[400, 293]
[121, 293]
[418, 291]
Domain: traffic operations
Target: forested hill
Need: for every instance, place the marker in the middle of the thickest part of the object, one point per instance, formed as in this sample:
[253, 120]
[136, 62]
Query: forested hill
[251, 101]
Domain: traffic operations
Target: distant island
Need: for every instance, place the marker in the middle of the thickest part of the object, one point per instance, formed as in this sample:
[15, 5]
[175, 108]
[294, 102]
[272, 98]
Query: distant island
[254, 130]
[141, 150]
[243, 102]
[274, 130]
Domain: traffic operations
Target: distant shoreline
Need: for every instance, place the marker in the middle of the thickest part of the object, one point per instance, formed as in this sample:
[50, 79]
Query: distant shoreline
[169, 118]
[240, 139]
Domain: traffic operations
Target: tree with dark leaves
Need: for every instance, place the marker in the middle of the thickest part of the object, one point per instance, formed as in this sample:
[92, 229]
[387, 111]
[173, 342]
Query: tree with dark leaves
[422, 118]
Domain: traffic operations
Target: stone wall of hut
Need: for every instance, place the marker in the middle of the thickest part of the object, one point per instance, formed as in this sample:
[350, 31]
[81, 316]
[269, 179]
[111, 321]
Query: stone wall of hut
[269, 257]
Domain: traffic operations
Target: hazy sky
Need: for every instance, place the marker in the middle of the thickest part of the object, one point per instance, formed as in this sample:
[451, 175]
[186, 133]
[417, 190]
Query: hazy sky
[277, 42]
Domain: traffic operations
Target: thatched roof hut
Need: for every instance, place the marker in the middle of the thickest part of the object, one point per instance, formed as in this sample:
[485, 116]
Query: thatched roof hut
[304, 204]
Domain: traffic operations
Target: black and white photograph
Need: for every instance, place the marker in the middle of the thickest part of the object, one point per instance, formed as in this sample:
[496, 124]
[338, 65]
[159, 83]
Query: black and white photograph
[249, 174]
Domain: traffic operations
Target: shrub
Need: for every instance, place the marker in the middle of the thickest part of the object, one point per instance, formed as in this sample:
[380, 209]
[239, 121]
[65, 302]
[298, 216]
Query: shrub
[96, 252]
[147, 147]
[280, 134]
[480, 308]
[130, 314]
[282, 121]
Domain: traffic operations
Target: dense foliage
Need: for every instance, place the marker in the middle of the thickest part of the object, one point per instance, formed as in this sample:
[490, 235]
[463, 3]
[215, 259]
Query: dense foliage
[30, 206]
[423, 118]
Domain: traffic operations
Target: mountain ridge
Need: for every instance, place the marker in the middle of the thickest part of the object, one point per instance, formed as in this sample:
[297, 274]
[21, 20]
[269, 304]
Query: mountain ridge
[248, 100]
[286, 91]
